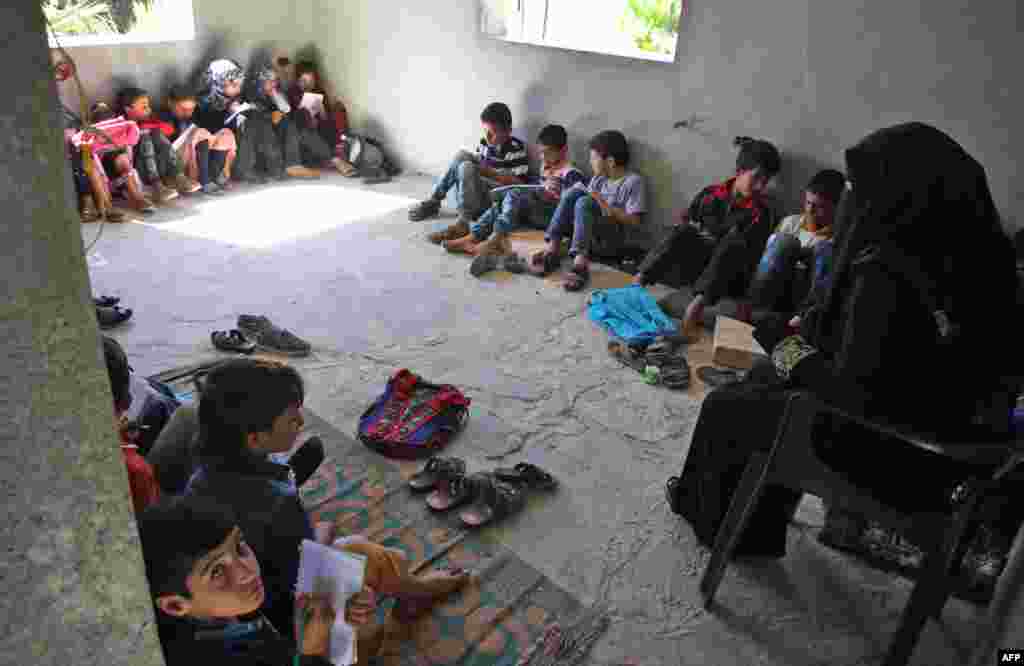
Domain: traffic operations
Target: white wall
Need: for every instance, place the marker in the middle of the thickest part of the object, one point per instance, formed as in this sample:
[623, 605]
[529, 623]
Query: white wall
[813, 76]
[224, 29]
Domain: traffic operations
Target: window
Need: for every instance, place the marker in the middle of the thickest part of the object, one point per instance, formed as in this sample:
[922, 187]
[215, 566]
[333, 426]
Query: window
[646, 29]
[86, 22]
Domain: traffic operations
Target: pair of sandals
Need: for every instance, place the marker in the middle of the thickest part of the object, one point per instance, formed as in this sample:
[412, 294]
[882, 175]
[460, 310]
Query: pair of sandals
[544, 263]
[233, 341]
[484, 497]
[666, 356]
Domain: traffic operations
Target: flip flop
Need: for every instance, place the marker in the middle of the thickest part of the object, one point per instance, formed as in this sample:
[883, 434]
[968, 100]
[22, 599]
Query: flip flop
[495, 499]
[527, 474]
[717, 377]
[451, 493]
[232, 341]
[106, 301]
[436, 470]
[577, 279]
[675, 375]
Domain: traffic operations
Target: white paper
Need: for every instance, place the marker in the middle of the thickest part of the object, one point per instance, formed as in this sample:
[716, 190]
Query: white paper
[339, 575]
[313, 103]
[242, 108]
[509, 188]
[180, 141]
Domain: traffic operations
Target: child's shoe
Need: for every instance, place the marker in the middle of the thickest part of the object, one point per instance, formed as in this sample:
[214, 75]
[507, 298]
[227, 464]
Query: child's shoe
[457, 230]
[299, 171]
[183, 184]
[424, 210]
[163, 193]
[496, 245]
[212, 189]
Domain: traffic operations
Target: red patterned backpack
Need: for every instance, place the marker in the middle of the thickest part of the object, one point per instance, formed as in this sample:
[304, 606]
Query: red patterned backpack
[413, 418]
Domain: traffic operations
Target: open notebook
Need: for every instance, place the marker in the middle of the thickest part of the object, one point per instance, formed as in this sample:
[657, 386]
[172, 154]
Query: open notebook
[339, 575]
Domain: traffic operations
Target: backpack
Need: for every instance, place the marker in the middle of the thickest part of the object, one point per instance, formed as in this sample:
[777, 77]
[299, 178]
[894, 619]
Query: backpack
[367, 155]
[413, 418]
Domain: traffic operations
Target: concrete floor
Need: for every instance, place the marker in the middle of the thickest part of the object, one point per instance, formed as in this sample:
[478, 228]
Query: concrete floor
[340, 264]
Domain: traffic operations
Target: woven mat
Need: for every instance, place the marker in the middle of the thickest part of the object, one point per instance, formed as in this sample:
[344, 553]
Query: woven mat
[514, 616]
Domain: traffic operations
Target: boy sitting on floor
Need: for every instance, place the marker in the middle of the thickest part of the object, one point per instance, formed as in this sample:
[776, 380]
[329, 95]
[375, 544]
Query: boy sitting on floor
[207, 157]
[250, 411]
[155, 159]
[594, 215]
[534, 208]
[806, 238]
[500, 159]
[719, 239]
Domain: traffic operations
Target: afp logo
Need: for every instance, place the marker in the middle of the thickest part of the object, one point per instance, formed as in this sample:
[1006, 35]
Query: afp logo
[1011, 657]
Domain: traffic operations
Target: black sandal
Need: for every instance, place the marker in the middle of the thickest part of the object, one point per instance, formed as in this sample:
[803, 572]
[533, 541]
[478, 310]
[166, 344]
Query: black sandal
[625, 354]
[672, 494]
[495, 499]
[544, 263]
[717, 377]
[109, 317]
[451, 493]
[106, 301]
[232, 341]
[527, 474]
[436, 470]
[577, 279]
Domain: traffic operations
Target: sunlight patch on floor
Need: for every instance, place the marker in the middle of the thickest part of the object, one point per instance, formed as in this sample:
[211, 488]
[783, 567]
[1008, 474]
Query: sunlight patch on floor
[265, 218]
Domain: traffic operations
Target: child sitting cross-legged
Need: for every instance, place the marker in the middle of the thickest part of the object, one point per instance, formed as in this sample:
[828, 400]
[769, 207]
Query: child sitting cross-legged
[208, 589]
[594, 216]
[534, 208]
[250, 414]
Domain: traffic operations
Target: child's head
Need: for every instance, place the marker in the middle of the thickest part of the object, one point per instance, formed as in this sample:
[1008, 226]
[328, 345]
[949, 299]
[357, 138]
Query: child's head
[756, 164]
[496, 119]
[101, 111]
[181, 102]
[267, 80]
[250, 406]
[609, 151]
[225, 78]
[308, 76]
[134, 103]
[554, 143]
[822, 195]
[197, 561]
[119, 372]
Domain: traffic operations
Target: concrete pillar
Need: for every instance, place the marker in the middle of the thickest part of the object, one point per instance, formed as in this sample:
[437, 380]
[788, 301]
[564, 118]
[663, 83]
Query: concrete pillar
[1003, 627]
[70, 567]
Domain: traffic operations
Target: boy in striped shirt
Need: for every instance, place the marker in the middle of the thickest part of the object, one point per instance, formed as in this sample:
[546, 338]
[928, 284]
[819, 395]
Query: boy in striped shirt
[500, 159]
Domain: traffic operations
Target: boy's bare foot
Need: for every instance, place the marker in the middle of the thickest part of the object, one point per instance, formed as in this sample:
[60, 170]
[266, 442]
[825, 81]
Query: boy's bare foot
[496, 245]
[163, 193]
[299, 171]
[344, 168]
[464, 243]
[420, 594]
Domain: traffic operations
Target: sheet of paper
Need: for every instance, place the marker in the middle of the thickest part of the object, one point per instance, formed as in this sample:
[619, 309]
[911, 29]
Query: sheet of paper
[313, 103]
[185, 134]
[339, 575]
[509, 188]
[242, 108]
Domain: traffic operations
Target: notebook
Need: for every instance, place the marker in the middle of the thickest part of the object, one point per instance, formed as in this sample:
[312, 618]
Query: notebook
[339, 575]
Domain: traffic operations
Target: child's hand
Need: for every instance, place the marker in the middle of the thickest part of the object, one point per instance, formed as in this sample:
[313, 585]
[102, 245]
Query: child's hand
[276, 117]
[361, 607]
[318, 617]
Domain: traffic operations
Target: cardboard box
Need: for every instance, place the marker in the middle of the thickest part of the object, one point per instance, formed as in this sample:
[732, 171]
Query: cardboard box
[734, 345]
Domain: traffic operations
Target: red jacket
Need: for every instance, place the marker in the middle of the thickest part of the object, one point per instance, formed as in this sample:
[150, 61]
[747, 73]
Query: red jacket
[153, 122]
[141, 479]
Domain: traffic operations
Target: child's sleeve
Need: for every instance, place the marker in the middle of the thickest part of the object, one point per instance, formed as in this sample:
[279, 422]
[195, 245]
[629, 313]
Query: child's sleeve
[636, 199]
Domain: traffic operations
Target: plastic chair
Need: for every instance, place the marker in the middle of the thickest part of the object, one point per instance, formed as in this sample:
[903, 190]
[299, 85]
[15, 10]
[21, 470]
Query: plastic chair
[792, 463]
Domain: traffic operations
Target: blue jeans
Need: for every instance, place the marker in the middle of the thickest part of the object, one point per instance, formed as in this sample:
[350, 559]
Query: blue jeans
[577, 213]
[775, 283]
[472, 193]
[515, 208]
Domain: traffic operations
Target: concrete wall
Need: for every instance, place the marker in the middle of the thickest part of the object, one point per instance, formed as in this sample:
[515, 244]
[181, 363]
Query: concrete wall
[224, 28]
[70, 566]
[813, 76]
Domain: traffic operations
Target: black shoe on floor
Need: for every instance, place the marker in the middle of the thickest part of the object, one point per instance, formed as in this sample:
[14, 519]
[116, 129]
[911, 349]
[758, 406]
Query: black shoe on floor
[109, 317]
